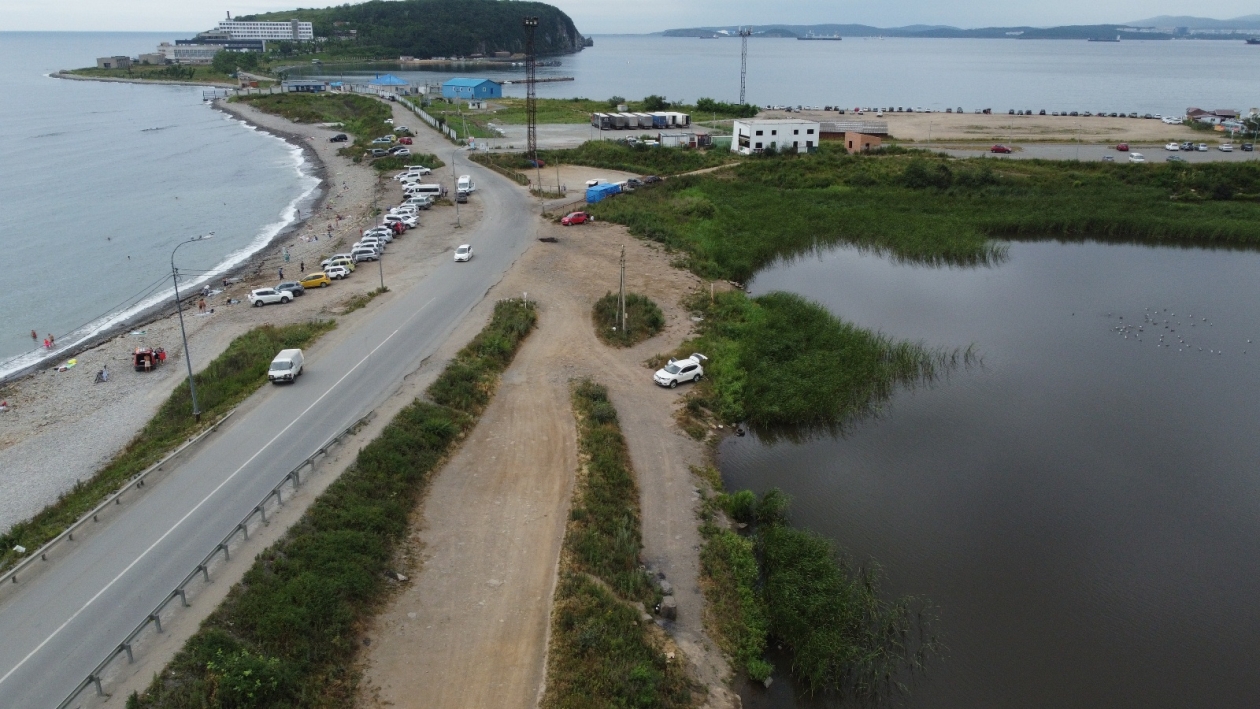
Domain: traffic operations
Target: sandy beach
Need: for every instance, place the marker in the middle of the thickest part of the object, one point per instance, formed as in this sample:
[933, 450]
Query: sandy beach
[62, 427]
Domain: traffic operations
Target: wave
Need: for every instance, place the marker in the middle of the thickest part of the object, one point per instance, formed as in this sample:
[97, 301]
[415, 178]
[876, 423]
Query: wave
[152, 300]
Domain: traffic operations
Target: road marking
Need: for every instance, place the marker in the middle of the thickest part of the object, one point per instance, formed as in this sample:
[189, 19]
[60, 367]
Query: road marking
[212, 493]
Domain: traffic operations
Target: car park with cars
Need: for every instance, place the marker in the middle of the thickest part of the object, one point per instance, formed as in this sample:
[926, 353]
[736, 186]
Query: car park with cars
[675, 372]
[267, 296]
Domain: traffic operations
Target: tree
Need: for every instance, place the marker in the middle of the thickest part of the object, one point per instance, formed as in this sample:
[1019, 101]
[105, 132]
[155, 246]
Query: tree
[655, 103]
[616, 101]
[227, 62]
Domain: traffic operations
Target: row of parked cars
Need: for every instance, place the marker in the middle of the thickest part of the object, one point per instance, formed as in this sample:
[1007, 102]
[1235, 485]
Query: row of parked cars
[288, 290]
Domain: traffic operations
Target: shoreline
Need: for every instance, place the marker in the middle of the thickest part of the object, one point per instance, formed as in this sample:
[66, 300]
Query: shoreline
[313, 166]
[65, 74]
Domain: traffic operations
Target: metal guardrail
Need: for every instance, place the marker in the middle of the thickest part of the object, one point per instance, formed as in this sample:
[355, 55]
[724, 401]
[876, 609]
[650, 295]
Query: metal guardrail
[135, 483]
[203, 568]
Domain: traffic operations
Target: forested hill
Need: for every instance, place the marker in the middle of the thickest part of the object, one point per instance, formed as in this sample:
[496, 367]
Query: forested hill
[438, 28]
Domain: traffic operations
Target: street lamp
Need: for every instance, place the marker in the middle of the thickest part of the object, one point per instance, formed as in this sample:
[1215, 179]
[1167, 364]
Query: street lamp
[192, 388]
[455, 181]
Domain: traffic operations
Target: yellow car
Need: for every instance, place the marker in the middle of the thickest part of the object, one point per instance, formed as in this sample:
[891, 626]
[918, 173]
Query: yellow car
[315, 280]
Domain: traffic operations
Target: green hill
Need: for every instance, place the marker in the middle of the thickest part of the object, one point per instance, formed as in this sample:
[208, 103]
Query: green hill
[437, 28]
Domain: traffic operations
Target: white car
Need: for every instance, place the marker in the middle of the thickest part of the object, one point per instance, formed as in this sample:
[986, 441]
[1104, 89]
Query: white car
[382, 233]
[264, 296]
[336, 273]
[372, 244]
[1136, 157]
[675, 372]
[389, 121]
[409, 222]
[399, 129]
[1226, 148]
[417, 170]
[1173, 146]
[597, 181]
[463, 253]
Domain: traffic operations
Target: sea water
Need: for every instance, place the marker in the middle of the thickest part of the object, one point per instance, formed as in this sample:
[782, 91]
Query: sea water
[100, 181]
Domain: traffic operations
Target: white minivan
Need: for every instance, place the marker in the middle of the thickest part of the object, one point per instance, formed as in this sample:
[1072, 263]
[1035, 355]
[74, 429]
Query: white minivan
[432, 190]
[465, 184]
[286, 367]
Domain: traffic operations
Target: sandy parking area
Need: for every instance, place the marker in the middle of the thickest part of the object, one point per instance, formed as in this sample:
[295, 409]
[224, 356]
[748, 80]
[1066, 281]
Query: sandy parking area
[486, 542]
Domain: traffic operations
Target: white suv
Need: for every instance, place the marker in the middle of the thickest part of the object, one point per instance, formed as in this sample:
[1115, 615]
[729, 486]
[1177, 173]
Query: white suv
[682, 370]
[263, 296]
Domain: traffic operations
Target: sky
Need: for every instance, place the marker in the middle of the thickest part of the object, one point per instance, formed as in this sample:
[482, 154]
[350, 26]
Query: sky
[640, 16]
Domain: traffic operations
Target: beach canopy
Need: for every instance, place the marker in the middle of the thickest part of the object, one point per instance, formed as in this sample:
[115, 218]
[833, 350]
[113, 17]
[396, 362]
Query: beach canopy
[388, 80]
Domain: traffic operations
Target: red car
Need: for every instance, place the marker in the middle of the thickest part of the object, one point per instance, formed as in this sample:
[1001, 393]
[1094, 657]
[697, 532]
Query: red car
[1123, 147]
[576, 218]
[404, 140]
[999, 149]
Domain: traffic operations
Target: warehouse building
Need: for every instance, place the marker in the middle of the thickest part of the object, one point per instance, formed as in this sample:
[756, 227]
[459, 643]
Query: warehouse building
[471, 89]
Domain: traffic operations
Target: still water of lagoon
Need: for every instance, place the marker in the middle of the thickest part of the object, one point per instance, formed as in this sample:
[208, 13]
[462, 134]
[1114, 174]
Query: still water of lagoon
[1083, 507]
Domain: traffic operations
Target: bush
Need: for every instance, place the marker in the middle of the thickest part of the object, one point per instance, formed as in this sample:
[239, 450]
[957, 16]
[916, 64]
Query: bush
[643, 320]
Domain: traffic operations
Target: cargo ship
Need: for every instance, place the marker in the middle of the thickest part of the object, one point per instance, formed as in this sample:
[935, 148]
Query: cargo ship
[831, 37]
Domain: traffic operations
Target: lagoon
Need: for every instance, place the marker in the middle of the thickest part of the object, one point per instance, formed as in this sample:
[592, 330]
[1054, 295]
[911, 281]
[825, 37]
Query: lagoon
[1082, 507]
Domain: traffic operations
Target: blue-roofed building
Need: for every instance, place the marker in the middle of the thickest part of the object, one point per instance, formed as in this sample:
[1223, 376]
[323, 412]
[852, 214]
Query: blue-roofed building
[471, 89]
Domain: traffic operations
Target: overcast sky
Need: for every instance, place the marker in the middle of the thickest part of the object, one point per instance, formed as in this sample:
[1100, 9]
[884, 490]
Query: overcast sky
[605, 16]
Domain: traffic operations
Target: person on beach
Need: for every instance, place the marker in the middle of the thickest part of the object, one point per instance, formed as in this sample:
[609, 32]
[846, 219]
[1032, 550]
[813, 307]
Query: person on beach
[52, 341]
[46, 345]
[34, 336]
[201, 305]
[302, 266]
[282, 273]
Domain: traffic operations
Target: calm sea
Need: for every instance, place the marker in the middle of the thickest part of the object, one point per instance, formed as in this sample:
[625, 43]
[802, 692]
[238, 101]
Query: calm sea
[99, 181]
[1157, 77]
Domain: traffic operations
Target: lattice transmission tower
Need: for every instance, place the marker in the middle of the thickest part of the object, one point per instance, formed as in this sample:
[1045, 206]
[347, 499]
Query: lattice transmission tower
[531, 100]
[744, 33]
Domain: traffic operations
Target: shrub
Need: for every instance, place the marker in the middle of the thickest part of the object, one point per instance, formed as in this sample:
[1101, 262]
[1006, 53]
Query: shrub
[644, 319]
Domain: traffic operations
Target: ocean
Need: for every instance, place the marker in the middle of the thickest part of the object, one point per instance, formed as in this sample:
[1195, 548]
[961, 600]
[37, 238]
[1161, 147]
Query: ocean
[100, 181]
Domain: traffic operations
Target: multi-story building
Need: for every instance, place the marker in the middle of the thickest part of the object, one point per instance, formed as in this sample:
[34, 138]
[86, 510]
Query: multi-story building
[783, 134]
[293, 30]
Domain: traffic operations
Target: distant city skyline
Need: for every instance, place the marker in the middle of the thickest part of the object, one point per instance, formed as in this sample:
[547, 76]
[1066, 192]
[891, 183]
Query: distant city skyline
[644, 16]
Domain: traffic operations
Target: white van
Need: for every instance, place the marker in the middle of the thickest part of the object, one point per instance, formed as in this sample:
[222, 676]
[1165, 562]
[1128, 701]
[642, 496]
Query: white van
[465, 185]
[286, 367]
[432, 190]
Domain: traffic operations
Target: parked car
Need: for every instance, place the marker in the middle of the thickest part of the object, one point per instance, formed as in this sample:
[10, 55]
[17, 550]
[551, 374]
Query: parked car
[1248, 147]
[594, 182]
[409, 222]
[461, 197]
[999, 149]
[1173, 146]
[333, 261]
[401, 129]
[339, 138]
[292, 287]
[634, 182]
[1226, 148]
[386, 233]
[1202, 147]
[1108, 158]
[575, 218]
[1123, 147]
[319, 279]
[366, 254]
[369, 242]
[1136, 157]
[400, 152]
[1175, 158]
[418, 170]
[405, 140]
[383, 140]
[1187, 145]
[419, 202]
[266, 296]
[379, 152]
[651, 180]
[286, 367]
[336, 273]
[676, 372]
[463, 253]
[389, 121]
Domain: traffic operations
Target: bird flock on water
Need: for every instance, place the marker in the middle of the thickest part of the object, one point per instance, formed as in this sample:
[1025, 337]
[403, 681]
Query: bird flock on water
[1166, 329]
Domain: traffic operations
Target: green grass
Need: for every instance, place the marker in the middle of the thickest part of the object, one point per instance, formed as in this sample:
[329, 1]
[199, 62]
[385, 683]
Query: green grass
[159, 73]
[780, 360]
[601, 654]
[735, 612]
[225, 382]
[397, 163]
[288, 633]
[930, 209]
[610, 155]
[360, 300]
[360, 116]
[643, 320]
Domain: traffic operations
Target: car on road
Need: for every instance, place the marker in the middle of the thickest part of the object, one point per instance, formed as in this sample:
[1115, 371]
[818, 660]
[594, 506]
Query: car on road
[463, 253]
[1175, 158]
[575, 218]
[1173, 146]
[405, 140]
[1187, 145]
[339, 138]
[1248, 147]
[336, 272]
[319, 279]
[379, 152]
[1137, 157]
[651, 180]
[1226, 147]
[999, 149]
[461, 197]
[266, 296]
[286, 367]
[1123, 147]
[292, 287]
[675, 372]
[1202, 147]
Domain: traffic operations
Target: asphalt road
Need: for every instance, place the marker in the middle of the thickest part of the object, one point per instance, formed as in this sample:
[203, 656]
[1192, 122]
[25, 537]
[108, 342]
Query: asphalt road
[55, 629]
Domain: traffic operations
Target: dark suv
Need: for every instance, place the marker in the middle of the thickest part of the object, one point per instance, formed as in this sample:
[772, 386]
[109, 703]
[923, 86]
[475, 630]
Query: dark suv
[292, 287]
[339, 138]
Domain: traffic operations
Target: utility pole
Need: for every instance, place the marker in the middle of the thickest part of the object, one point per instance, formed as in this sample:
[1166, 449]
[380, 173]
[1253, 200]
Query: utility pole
[621, 295]
[192, 388]
[455, 186]
[744, 33]
[380, 269]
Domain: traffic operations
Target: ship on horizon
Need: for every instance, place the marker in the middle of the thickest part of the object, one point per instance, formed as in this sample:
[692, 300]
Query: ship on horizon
[1104, 39]
[811, 35]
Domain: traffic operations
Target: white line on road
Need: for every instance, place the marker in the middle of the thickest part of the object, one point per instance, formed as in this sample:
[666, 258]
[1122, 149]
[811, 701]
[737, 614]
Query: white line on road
[190, 513]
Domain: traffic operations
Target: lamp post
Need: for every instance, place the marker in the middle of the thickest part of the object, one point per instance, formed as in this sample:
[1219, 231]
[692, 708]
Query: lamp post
[455, 184]
[192, 388]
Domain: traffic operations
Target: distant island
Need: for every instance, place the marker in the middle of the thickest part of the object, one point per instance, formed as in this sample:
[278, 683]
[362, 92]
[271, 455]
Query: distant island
[436, 28]
[1156, 28]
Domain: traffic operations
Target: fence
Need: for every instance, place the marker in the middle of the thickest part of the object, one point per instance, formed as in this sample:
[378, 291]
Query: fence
[434, 123]
[115, 499]
[203, 568]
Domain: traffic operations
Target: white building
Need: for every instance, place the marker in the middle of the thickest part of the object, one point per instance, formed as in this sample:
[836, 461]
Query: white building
[293, 30]
[758, 134]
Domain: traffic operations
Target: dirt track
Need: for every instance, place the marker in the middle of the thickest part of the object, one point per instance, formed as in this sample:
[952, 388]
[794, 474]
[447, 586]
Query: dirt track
[470, 629]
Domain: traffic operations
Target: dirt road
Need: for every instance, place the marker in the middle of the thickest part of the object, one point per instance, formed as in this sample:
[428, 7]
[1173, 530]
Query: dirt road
[488, 535]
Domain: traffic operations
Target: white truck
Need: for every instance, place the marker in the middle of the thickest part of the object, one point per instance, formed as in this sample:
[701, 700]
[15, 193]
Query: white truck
[286, 367]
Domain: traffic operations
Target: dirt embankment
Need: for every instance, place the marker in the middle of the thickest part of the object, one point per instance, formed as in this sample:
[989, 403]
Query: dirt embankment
[470, 629]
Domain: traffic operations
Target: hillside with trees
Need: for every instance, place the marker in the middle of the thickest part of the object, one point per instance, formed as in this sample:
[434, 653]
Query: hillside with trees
[435, 28]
